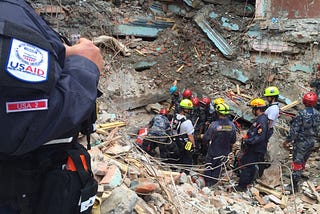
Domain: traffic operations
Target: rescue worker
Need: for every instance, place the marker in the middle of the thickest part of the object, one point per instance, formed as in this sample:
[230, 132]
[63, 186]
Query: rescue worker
[273, 109]
[220, 137]
[216, 101]
[315, 83]
[182, 130]
[158, 133]
[194, 117]
[57, 85]
[175, 99]
[304, 132]
[187, 94]
[205, 119]
[254, 145]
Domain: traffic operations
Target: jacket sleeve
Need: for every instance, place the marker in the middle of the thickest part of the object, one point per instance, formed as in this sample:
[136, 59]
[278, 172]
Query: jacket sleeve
[259, 133]
[76, 89]
[315, 83]
[209, 133]
[295, 127]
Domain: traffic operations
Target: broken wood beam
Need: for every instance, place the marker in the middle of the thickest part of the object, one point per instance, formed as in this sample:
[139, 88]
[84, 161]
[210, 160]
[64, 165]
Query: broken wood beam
[286, 107]
[314, 191]
[269, 191]
[111, 125]
[111, 42]
[101, 145]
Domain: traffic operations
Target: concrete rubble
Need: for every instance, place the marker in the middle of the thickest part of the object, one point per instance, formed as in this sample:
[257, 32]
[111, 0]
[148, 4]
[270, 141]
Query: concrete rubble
[216, 48]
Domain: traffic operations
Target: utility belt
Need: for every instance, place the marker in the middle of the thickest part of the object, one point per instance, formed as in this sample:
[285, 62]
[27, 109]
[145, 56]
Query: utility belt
[53, 179]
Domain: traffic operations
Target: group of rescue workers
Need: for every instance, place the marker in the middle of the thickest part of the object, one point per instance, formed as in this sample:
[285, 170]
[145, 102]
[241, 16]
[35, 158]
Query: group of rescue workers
[195, 127]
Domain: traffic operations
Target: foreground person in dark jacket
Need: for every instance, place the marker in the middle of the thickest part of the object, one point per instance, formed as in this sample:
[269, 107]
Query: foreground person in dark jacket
[48, 91]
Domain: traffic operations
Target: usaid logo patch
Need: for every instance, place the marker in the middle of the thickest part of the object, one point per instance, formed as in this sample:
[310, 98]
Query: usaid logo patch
[27, 62]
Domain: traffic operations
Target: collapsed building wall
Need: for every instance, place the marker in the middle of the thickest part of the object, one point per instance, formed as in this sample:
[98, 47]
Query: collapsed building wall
[291, 9]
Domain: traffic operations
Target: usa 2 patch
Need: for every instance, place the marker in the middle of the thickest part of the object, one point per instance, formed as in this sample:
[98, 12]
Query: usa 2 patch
[28, 105]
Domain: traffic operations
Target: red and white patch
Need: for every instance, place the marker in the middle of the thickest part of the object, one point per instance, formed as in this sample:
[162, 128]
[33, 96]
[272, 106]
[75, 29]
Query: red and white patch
[30, 105]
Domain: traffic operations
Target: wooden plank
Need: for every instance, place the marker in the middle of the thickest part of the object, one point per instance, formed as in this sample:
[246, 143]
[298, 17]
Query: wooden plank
[137, 102]
[269, 191]
[314, 191]
[286, 107]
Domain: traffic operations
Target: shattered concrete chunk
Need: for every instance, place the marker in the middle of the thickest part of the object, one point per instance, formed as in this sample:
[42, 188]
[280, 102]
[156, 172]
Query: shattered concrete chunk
[236, 74]
[228, 25]
[143, 65]
[121, 200]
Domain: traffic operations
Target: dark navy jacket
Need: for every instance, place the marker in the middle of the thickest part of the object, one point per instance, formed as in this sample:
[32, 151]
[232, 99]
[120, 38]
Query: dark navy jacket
[70, 88]
[257, 135]
[222, 134]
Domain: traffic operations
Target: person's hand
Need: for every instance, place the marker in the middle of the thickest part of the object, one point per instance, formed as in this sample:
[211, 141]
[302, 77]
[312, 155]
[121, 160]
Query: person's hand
[286, 145]
[87, 49]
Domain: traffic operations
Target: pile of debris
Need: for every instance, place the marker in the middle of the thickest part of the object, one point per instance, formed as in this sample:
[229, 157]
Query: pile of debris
[214, 47]
[131, 180]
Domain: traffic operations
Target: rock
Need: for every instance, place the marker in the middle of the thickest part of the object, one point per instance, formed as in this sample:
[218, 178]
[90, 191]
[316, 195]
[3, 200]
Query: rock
[112, 177]
[141, 66]
[121, 200]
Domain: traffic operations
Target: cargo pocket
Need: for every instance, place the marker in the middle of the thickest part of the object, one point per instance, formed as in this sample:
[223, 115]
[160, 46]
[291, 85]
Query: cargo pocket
[60, 192]
[70, 190]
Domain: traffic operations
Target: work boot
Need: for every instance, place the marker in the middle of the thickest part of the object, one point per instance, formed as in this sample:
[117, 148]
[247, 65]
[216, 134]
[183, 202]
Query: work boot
[240, 188]
[304, 176]
[289, 188]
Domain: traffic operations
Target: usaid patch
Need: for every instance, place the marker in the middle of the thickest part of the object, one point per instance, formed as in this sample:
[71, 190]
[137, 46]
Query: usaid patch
[30, 105]
[27, 62]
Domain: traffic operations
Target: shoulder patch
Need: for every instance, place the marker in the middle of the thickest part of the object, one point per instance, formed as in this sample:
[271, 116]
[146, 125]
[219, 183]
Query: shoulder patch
[27, 62]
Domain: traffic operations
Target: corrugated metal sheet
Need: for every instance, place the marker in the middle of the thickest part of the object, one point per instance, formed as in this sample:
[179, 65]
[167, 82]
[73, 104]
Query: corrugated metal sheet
[142, 28]
[215, 37]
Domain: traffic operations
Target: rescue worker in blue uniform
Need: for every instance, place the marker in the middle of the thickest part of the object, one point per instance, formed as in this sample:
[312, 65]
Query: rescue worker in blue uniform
[194, 117]
[304, 132]
[175, 99]
[315, 83]
[158, 134]
[48, 90]
[254, 145]
[220, 136]
[205, 118]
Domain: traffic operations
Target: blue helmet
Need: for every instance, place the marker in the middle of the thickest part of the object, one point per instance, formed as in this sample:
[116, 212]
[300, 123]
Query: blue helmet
[173, 89]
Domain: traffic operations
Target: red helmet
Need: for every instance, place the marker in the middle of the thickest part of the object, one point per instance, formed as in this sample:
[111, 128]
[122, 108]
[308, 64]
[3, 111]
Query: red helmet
[187, 93]
[205, 101]
[163, 111]
[195, 101]
[310, 99]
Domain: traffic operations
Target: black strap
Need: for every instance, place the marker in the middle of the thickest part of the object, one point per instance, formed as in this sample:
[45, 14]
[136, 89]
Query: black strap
[83, 174]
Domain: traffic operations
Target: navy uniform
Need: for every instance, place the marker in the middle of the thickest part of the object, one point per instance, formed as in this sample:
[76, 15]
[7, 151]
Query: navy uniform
[315, 83]
[159, 127]
[45, 98]
[254, 150]
[304, 132]
[222, 134]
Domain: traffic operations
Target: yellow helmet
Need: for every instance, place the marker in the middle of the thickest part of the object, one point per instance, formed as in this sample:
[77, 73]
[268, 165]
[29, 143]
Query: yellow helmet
[271, 91]
[257, 103]
[218, 101]
[222, 108]
[186, 103]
